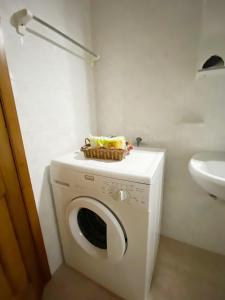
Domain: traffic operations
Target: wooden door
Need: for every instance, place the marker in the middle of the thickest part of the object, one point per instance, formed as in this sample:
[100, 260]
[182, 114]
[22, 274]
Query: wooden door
[19, 271]
[23, 263]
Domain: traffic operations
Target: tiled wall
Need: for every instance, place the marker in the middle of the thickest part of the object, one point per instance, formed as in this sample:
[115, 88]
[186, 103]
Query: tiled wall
[146, 86]
[53, 91]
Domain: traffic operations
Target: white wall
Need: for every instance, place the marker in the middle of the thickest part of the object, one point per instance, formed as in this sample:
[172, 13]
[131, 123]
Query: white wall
[146, 86]
[53, 92]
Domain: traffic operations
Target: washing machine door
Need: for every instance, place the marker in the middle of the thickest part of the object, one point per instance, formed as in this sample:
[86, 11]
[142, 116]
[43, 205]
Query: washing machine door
[96, 229]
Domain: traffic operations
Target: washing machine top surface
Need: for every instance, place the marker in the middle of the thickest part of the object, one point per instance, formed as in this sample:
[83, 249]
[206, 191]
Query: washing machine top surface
[139, 166]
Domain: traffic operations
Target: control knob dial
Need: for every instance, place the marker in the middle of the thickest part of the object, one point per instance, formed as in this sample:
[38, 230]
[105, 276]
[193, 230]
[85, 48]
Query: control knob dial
[120, 195]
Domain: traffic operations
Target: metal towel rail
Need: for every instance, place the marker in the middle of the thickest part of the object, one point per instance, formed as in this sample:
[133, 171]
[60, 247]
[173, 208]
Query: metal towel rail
[24, 16]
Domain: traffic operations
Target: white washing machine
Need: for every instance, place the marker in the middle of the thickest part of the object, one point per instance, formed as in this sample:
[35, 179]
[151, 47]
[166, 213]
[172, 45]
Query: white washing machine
[108, 216]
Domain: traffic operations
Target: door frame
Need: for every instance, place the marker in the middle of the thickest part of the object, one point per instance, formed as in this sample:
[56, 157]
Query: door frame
[15, 137]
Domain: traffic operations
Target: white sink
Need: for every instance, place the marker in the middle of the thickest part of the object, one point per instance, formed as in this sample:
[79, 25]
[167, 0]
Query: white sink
[208, 170]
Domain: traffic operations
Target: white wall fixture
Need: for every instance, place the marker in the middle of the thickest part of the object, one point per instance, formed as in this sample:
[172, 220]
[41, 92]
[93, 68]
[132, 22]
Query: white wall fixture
[210, 73]
[24, 16]
[214, 61]
[208, 171]
[214, 65]
[211, 54]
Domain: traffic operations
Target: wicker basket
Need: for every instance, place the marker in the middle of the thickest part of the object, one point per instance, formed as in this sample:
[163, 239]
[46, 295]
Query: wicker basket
[102, 153]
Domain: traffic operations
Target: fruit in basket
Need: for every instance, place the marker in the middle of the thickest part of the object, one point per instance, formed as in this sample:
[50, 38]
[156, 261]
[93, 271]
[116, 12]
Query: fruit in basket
[117, 142]
[130, 147]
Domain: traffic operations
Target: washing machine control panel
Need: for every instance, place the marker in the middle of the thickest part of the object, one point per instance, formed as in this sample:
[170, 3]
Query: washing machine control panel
[134, 194]
[118, 190]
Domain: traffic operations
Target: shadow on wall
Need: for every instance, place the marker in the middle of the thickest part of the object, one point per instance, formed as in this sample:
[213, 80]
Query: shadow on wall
[47, 219]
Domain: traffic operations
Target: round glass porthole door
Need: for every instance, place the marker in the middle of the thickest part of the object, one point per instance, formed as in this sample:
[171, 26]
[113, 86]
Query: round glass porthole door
[96, 229]
[92, 227]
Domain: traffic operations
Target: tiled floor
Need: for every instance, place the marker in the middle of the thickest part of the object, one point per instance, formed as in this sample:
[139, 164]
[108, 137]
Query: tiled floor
[182, 272]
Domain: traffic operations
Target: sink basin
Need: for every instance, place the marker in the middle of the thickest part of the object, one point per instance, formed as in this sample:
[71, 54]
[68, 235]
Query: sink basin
[208, 170]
